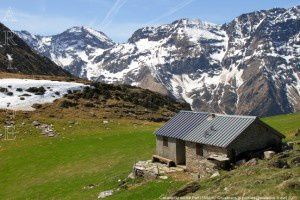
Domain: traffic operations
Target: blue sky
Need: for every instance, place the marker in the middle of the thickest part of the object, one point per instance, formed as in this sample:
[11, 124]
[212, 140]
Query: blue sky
[120, 18]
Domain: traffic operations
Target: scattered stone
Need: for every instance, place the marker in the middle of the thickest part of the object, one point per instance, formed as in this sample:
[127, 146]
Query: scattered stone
[269, 154]
[36, 123]
[252, 162]
[240, 162]
[286, 147]
[1, 135]
[163, 177]
[131, 176]
[104, 194]
[295, 161]
[51, 135]
[90, 186]
[196, 176]
[149, 170]
[46, 129]
[105, 122]
[279, 163]
[188, 188]
[215, 174]
[291, 145]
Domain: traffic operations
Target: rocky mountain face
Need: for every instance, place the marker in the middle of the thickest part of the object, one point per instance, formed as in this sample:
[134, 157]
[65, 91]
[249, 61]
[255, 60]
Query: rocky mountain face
[74, 49]
[17, 57]
[249, 66]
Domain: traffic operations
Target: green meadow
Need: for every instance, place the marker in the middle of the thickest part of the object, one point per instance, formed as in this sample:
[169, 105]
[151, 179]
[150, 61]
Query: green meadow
[88, 152]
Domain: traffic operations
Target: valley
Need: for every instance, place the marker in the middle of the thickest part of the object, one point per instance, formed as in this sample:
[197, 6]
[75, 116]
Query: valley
[96, 152]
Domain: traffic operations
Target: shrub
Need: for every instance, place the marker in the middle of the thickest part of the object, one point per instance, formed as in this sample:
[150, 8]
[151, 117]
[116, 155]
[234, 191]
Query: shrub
[9, 94]
[37, 90]
[3, 90]
[89, 105]
[67, 104]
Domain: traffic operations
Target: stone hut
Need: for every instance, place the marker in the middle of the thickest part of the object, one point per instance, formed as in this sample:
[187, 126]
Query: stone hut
[202, 140]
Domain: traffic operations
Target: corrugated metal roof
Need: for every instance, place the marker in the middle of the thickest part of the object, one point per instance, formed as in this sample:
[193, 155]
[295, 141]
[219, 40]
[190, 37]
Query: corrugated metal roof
[182, 124]
[219, 131]
[200, 127]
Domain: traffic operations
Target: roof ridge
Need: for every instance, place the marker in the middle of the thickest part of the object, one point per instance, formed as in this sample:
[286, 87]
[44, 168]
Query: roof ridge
[221, 115]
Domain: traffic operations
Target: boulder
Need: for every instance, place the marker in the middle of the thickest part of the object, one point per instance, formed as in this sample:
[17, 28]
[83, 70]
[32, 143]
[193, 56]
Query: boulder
[163, 177]
[269, 154]
[240, 162]
[131, 176]
[279, 163]
[104, 194]
[295, 161]
[252, 162]
[215, 174]
[188, 188]
[36, 123]
[291, 145]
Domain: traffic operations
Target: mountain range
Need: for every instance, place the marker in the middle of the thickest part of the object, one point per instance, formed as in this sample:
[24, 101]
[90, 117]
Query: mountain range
[249, 66]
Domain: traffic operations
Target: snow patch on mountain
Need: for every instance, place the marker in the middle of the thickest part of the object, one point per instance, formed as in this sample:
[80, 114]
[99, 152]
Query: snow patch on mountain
[17, 98]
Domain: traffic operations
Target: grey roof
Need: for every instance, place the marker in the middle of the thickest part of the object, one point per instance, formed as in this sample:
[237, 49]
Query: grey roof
[201, 128]
[181, 124]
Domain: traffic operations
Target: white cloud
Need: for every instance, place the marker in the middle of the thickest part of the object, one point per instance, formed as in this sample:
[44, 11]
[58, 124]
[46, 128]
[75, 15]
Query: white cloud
[112, 12]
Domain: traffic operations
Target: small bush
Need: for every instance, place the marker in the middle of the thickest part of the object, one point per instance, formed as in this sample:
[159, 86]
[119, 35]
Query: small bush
[36, 91]
[9, 94]
[67, 104]
[3, 90]
[89, 105]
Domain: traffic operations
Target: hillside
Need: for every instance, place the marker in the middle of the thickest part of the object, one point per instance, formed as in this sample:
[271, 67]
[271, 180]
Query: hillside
[94, 150]
[247, 66]
[267, 178]
[17, 57]
[105, 101]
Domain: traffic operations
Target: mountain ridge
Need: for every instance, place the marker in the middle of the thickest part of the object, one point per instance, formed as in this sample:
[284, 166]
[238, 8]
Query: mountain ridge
[247, 66]
[17, 57]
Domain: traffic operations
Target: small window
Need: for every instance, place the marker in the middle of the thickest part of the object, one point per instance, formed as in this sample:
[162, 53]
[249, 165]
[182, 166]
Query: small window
[165, 141]
[199, 150]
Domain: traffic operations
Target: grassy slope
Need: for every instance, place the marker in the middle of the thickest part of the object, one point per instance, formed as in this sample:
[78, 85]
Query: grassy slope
[287, 124]
[35, 167]
[260, 180]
